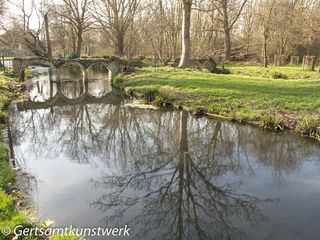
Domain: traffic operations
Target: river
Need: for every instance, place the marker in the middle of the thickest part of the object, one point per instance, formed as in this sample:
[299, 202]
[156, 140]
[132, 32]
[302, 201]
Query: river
[94, 161]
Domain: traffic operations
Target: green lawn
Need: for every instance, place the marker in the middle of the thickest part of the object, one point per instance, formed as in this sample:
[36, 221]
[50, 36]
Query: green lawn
[244, 96]
[286, 72]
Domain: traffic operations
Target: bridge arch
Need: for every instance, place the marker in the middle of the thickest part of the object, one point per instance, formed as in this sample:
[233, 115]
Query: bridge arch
[114, 65]
[102, 84]
[71, 89]
[19, 64]
[102, 64]
[76, 64]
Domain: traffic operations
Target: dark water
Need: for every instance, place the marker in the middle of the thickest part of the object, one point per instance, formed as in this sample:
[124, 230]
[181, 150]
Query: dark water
[167, 175]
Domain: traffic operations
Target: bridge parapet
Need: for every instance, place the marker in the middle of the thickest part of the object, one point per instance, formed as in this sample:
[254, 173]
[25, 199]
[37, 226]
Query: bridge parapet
[19, 64]
[114, 64]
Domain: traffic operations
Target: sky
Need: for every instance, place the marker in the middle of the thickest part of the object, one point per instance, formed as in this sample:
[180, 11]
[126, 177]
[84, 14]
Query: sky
[15, 11]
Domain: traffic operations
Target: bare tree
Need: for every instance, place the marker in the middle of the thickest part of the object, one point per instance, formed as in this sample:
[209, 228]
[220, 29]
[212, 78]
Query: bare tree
[186, 41]
[44, 10]
[26, 11]
[28, 37]
[231, 10]
[46, 23]
[115, 17]
[265, 16]
[249, 23]
[76, 13]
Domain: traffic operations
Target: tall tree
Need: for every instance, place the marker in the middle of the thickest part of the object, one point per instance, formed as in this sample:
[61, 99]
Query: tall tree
[265, 16]
[186, 41]
[30, 37]
[115, 17]
[46, 23]
[230, 11]
[76, 12]
[249, 24]
[44, 10]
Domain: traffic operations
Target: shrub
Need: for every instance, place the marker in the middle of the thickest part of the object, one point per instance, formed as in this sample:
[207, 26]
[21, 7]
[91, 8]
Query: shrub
[162, 100]
[278, 75]
[60, 56]
[135, 63]
[27, 73]
[272, 122]
[225, 71]
[72, 55]
[309, 126]
[9, 73]
[2, 117]
[117, 80]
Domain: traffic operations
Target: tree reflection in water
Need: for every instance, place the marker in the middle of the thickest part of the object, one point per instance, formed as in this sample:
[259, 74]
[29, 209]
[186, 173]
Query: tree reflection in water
[181, 198]
[166, 174]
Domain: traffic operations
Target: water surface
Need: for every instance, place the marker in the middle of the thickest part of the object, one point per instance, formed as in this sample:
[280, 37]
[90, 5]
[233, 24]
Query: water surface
[166, 174]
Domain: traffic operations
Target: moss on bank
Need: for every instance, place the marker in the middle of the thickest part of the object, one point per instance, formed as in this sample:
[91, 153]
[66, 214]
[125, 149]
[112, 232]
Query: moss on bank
[272, 103]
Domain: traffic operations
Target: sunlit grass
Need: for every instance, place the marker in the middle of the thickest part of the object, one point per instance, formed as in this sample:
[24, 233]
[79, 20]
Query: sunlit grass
[10, 217]
[290, 72]
[236, 96]
[4, 95]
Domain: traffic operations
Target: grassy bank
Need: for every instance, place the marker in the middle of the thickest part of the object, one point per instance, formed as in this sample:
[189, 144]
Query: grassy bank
[283, 72]
[10, 214]
[12, 211]
[248, 94]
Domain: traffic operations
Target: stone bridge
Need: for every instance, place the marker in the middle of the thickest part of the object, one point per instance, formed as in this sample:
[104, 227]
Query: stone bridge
[54, 94]
[113, 64]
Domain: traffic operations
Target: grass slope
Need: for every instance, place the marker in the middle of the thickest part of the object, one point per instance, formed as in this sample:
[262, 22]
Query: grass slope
[286, 72]
[10, 216]
[244, 97]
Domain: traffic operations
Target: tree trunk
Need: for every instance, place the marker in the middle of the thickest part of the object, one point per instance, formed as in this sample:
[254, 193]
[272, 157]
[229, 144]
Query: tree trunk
[265, 57]
[79, 43]
[226, 29]
[73, 37]
[49, 50]
[119, 48]
[186, 43]
[227, 44]
[161, 30]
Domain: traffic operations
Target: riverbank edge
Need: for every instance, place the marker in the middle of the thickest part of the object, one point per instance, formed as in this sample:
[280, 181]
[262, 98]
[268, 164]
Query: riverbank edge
[15, 208]
[308, 127]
